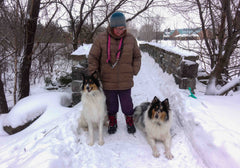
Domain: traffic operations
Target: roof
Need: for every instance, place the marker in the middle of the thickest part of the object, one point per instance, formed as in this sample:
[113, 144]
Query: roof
[185, 31]
[168, 33]
[189, 31]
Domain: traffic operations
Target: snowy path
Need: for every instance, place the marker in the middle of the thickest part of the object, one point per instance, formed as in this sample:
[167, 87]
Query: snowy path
[127, 151]
[58, 144]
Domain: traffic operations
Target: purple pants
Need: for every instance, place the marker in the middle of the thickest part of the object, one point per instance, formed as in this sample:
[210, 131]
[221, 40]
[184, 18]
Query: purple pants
[125, 101]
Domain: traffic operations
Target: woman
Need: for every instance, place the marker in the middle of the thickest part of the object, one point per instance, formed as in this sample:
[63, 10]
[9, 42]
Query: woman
[116, 56]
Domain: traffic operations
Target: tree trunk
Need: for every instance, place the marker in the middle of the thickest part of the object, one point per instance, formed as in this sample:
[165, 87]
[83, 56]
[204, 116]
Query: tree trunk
[75, 43]
[3, 102]
[30, 29]
[228, 37]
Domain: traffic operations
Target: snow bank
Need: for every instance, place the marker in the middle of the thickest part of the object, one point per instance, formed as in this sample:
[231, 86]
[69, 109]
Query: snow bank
[29, 108]
[173, 49]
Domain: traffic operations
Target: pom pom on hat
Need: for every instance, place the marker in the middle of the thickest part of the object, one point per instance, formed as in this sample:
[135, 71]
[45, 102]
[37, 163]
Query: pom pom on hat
[117, 19]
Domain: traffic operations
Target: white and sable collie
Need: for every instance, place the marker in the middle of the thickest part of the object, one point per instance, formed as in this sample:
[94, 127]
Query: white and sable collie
[155, 120]
[94, 107]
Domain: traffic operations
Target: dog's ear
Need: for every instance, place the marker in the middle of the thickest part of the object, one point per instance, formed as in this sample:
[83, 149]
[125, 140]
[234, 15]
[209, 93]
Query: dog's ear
[166, 102]
[155, 100]
[83, 76]
[95, 74]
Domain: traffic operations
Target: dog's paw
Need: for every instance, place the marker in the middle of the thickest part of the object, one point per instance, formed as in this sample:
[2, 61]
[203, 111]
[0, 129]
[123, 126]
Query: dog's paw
[168, 155]
[85, 129]
[90, 143]
[156, 153]
[100, 142]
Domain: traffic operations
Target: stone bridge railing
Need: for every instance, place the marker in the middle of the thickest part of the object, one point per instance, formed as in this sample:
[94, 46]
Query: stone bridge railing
[180, 63]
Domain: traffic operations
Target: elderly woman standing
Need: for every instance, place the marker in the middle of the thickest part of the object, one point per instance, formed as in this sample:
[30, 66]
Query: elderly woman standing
[117, 58]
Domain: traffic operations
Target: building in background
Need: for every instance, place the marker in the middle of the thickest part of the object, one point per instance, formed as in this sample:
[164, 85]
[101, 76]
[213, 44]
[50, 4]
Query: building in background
[185, 34]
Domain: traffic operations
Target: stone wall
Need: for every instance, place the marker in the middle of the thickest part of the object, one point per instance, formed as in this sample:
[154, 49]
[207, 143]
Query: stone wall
[182, 66]
[78, 68]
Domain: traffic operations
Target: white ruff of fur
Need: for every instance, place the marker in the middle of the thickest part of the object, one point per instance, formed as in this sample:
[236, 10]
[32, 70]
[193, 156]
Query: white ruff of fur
[94, 108]
[159, 130]
[93, 114]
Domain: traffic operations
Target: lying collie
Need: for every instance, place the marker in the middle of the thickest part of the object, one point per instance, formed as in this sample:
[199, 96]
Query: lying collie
[94, 107]
[155, 120]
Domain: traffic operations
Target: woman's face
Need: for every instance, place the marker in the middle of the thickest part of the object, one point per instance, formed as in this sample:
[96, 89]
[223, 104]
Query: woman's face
[118, 31]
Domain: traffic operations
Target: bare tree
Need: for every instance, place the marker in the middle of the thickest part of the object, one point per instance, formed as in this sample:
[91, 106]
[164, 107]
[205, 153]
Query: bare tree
[96, 13]
[224, 17]
[146, 32]
[3, 102]
[30, 29]
[13, 14]
[29, 49]
[11, 39]
[157, 23]
[220, 24]
[150, 30]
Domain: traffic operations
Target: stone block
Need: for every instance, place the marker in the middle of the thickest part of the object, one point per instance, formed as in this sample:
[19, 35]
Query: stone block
[191, 58]
[84, 63]
[185, 83]
[76, 97]
[188, 69]
[76, 86]
[77, 72]
[176, 60]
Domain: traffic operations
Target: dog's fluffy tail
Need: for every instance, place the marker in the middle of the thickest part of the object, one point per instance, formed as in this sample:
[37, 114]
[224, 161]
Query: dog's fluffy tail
[139, 111]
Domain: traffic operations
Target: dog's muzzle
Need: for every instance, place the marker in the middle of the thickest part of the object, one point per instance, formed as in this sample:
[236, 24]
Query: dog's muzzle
[88, 89]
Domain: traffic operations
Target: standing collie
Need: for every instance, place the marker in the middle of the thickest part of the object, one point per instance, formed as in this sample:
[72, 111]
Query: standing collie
[94, 107]
[155, 120]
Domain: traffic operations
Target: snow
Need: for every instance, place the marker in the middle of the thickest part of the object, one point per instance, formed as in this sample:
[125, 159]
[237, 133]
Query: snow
[173, 49]
[33, 106]
[187, 35]
[231, 84]
[205, 131]
[83, 50]
[188, 62]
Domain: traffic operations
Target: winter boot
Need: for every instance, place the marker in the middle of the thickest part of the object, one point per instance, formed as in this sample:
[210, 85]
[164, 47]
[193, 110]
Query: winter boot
[112, 127]
[130, 125]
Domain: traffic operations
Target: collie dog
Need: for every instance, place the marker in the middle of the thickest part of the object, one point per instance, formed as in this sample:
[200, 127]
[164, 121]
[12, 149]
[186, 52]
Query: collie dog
[155, 120]
[94, 111]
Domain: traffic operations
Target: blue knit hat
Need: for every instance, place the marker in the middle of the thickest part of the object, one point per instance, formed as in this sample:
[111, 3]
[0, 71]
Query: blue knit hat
[117, 19]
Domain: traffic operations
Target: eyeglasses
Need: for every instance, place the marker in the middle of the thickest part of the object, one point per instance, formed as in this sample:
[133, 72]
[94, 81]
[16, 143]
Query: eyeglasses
[120, 28]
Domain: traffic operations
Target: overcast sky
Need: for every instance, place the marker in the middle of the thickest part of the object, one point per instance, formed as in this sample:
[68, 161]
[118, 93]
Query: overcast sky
[171, 20]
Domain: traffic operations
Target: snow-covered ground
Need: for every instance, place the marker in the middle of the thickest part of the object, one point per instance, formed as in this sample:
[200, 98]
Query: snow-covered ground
[205, 131]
